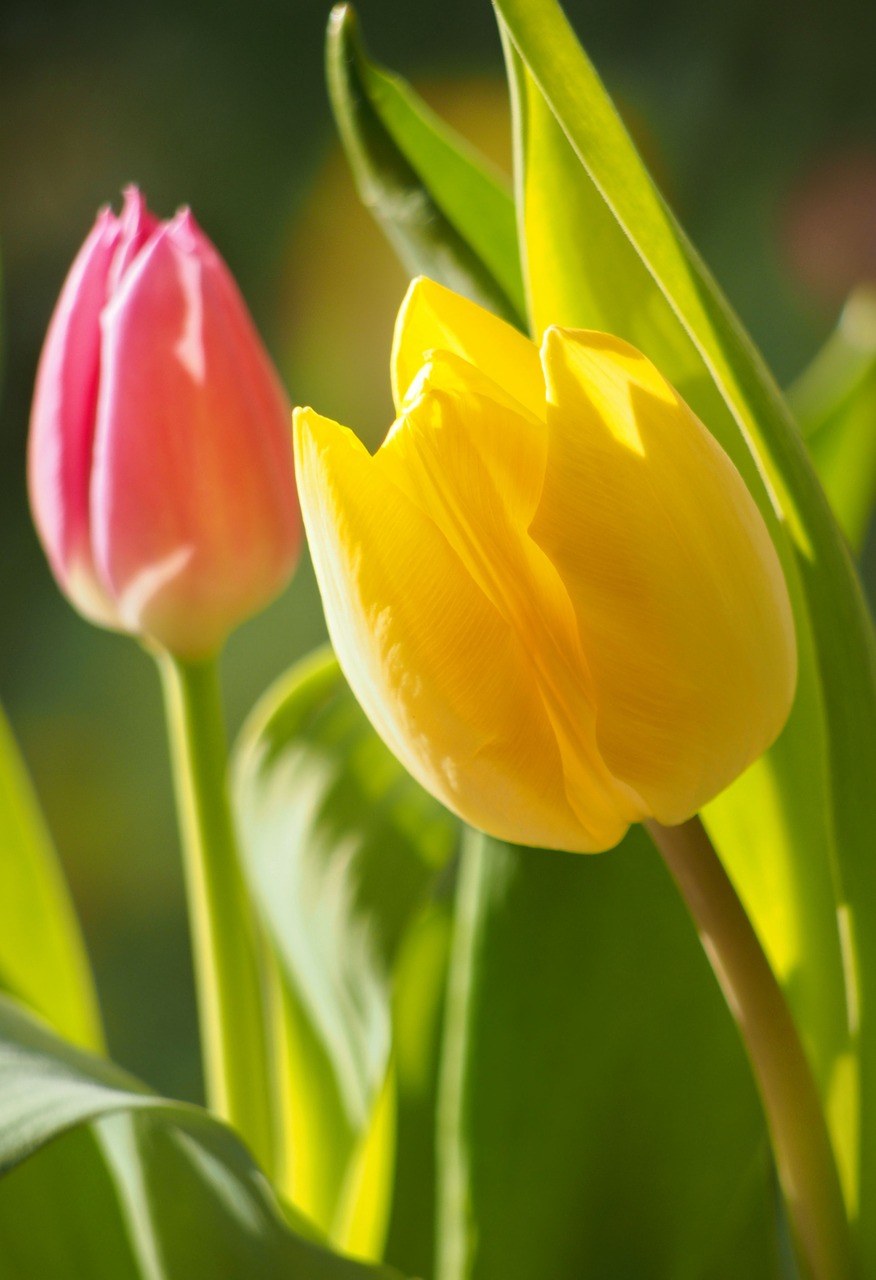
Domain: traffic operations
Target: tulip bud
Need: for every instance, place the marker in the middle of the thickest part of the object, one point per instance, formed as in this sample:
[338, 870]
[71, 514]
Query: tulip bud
[160, 457]
[550, 588]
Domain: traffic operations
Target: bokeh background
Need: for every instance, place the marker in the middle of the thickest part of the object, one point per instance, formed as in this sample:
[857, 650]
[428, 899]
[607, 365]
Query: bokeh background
[757, 116]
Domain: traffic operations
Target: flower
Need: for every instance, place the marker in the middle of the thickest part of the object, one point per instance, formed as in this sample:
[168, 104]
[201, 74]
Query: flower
[549, 589]
[160, 455]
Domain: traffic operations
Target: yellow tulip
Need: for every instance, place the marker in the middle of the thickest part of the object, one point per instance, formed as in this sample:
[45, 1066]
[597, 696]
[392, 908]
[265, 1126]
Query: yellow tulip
[549, 589]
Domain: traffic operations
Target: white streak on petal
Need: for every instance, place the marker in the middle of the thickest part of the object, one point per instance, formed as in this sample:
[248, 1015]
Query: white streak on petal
[189, 348]
[142, 589]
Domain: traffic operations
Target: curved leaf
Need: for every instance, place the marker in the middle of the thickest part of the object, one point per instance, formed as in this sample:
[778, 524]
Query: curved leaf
[834, 401]
[60, 1217]
[763, 824]
[42, 958]
[213, 1211]
[344, 852]
[443, 210]
[491, 1222]
[797, 830]
[597, 1115]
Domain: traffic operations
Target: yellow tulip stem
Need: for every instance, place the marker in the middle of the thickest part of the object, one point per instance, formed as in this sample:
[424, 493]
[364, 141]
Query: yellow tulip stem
[801, 1144]
[224, 938]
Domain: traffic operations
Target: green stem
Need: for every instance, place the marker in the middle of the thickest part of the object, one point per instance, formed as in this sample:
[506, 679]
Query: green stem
[798, 1129]
[224, 939]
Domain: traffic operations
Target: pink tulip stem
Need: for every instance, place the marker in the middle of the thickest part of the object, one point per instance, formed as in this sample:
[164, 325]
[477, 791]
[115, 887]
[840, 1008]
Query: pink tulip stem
[795, 1117]
[224, 936]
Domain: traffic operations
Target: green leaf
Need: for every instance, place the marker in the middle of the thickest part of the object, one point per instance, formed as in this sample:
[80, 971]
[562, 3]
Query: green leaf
[442, 208]
[775, 840]
[212, 1212]
[597, 1114]
[486, 1196]
[797, 830]
[834, 401]
[60, 1216]
[43, 964]
[610, 254]
[345, 855]
[42, 958]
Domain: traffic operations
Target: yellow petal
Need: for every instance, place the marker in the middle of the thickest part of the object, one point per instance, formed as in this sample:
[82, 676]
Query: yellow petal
[680, 599]
[443, 678]
[476, 468]
[433, 318]
[447, 371]
[457, 421]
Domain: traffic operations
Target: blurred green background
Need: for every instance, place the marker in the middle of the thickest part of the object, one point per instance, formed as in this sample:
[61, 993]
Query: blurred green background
[757, 116]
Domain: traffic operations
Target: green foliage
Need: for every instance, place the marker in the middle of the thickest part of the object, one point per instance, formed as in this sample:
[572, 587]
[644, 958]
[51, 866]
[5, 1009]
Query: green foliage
[602, 250]
[568, 976]
[61, 1218]
[772, 827]
[206, 1207]
[446, 215]
[599, 1116]
[42, 960]
[834, 401]
[43, 964]
[162, 1197]
[346, 856]
[813, 841]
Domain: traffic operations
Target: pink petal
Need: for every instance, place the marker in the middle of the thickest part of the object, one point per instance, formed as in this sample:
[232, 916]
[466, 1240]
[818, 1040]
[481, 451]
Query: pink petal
[194, 515]
[136, 226]
[63, 417]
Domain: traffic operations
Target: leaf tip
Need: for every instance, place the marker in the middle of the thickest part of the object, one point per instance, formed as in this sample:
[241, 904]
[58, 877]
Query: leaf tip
[342, 22]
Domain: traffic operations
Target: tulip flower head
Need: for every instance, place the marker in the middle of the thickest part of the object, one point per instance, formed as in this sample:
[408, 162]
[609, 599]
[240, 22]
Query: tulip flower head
[160, 456]
[549, 589]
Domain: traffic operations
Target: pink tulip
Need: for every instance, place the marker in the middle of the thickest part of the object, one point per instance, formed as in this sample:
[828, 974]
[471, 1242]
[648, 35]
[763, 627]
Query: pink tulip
[160, 460]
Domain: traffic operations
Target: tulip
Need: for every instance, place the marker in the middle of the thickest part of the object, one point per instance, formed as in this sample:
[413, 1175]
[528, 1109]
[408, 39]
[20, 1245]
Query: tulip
[550, 589]
[160, 457]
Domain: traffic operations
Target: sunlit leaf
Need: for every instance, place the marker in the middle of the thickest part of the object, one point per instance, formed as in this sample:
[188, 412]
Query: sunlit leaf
[481, 1232]
[60, 1217]
[834, 401]
[43, 964]
[42, 959]
[598, 1116]
[797, 831]
[599, 280]
[443, 210]
[344, 853]
[212, 1212]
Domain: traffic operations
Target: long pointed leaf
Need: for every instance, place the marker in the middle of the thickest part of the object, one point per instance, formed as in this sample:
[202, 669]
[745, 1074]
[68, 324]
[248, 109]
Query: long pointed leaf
[344, 853]
[42, 958]
[822, 768]
[775, 840]
[597, 1116]
[834, 401]
[445, 213]
[479, 1204]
